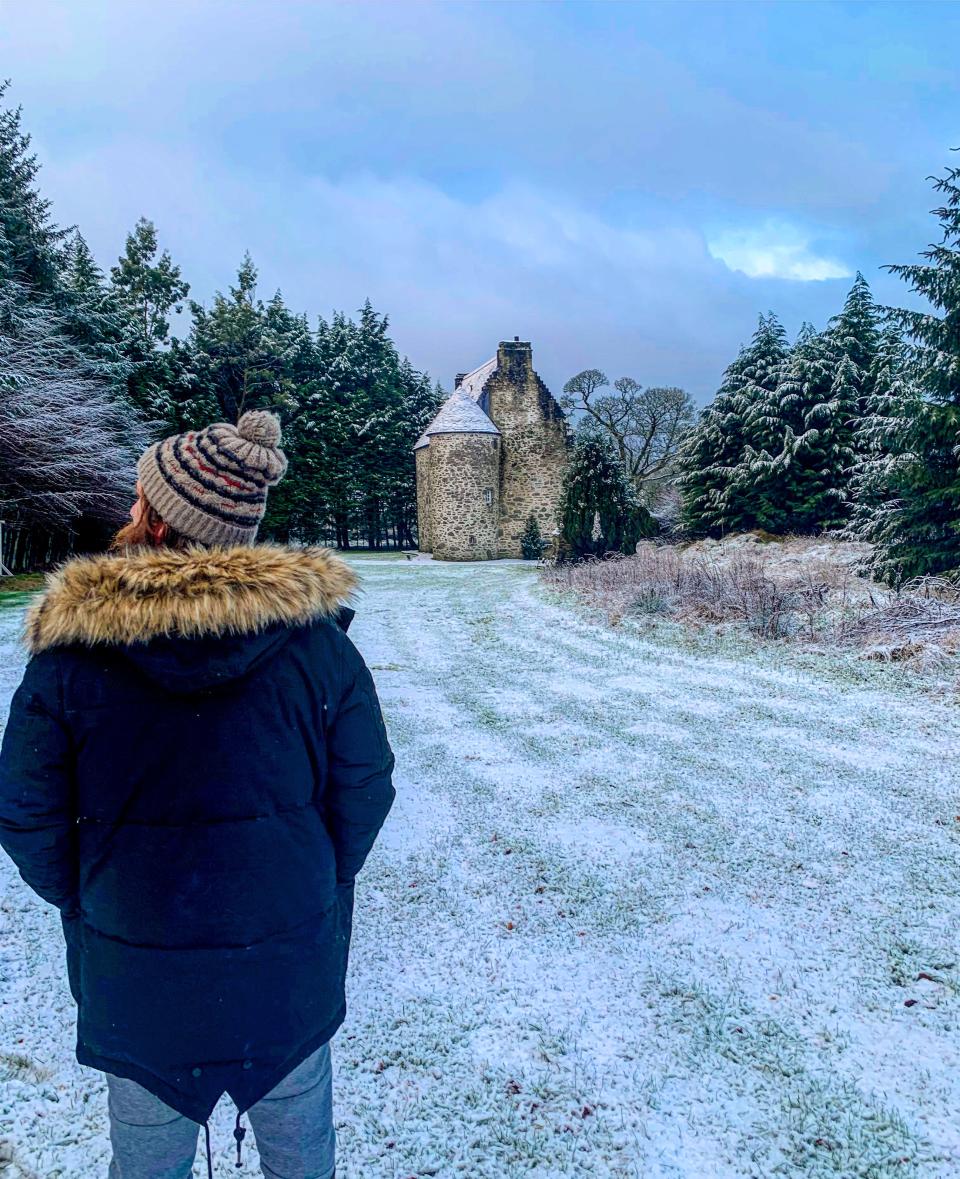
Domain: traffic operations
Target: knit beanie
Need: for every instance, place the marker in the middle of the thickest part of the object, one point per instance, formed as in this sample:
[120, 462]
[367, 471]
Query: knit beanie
[211, 485]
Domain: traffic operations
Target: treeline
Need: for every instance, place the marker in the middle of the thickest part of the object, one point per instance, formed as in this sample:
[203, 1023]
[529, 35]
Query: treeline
[855, 427]
[780, 446]
[91, 372]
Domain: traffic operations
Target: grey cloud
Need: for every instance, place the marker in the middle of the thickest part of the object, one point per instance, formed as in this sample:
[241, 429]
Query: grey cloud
[455, 276]
[478, 171]
[432, 88]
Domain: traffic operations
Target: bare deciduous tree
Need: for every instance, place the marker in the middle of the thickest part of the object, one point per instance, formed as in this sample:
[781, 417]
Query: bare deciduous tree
[645, 424]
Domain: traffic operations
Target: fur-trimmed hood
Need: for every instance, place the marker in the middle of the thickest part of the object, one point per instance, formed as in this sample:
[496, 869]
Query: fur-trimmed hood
[135, 598]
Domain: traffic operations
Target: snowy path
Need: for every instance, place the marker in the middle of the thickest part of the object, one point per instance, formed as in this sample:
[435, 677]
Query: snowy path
[646, 906]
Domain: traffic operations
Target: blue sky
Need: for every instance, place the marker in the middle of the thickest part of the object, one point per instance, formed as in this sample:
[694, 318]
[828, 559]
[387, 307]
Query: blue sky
[626, 185]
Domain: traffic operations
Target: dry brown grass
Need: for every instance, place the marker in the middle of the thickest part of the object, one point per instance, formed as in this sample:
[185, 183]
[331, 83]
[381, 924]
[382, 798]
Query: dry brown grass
[810, 590]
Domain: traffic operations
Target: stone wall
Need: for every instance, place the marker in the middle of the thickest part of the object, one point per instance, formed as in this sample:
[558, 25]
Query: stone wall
[422, 459]
[535, 446]
[463, 476]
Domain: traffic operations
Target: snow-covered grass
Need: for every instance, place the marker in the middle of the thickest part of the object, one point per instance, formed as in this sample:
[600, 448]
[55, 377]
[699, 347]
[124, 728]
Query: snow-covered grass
[651, 903]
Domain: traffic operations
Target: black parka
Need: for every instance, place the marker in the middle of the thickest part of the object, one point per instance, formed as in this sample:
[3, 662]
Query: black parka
[194, 770]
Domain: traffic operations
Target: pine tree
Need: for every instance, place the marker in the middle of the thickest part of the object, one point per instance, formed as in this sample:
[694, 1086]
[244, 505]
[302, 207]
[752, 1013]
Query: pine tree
[828, 449]
[531, 540]
[807, 453]
[147, 287]
[419, 400]
[855, 332]
[235, 353]
[881, 443]
[727, 453]
[819, 395]
[67, 441]
[599, 512]
[31, 242]
[328, 423]
[921, 532]
[351, 407]
[54, 267]
[91, 314]
[803, 386]
[358, 408]
[777, 449]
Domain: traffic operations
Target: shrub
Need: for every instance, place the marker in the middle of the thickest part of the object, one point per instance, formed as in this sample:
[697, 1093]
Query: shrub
[532, 544]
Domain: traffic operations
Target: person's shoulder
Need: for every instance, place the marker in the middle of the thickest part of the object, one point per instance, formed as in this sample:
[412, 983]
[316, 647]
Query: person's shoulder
[42, 678]
[325, 642]
[321, 633]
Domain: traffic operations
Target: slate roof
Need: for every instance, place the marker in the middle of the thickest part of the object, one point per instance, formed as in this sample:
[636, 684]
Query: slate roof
[472, 384]
[460, 413]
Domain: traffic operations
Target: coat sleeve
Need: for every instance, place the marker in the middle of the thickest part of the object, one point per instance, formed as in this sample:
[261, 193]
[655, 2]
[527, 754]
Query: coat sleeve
[359, 790]
[37, 800]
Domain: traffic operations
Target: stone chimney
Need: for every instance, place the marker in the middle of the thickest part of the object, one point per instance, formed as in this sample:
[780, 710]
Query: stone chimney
[515, 357]
[458, 380]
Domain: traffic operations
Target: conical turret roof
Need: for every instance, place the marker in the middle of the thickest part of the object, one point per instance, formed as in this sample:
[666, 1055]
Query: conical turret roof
[459, 414]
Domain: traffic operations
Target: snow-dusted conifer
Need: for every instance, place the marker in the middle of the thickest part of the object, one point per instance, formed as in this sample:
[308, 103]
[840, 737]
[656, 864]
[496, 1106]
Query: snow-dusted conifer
[777, 448]
[882, 443]
[531, 540]
[855, 332]
[725, 454]
[31, 242]
[148, 288]
[822, 394]
[921, 526]
[92, 315]
[67, 444]
[359, 409]
[149, 285]
[599, 512]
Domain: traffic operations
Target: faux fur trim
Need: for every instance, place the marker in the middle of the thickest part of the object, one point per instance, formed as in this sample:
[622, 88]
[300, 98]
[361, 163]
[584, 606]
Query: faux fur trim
[135, 597]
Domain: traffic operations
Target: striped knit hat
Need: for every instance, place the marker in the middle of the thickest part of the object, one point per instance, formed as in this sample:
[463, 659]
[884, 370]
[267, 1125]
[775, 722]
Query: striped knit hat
[211, 485]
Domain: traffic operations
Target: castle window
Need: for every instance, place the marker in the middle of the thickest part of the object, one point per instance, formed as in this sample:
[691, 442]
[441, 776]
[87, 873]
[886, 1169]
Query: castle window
[488, 496]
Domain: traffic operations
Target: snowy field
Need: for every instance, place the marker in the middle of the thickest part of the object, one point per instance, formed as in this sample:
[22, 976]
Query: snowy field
[649, 904]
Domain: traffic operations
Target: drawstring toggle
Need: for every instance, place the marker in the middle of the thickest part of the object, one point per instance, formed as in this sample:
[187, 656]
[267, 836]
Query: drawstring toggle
[239, 1132]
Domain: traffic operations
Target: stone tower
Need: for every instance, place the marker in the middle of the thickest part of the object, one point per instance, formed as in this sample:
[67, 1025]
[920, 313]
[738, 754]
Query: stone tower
[495, 454]
[536, 444]
[458, 491]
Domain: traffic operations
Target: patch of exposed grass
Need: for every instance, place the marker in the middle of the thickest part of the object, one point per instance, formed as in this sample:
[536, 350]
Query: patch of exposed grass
[21, 583]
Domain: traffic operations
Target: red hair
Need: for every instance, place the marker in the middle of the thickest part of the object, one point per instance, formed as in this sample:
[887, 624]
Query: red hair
[149, 531]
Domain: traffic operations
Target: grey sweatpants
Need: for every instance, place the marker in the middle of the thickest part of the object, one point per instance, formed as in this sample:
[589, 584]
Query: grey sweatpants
[293, 1126]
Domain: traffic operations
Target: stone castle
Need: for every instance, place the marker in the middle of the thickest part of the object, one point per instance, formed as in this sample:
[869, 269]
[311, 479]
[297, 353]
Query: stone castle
[493, 456]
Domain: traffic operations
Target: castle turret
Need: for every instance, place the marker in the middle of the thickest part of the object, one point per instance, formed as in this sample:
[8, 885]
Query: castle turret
[458, 495]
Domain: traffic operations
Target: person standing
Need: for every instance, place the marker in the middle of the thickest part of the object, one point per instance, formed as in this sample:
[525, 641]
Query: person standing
[194, 771]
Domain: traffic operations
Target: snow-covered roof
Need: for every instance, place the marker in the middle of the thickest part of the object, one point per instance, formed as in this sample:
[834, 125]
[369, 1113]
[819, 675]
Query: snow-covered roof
[472, 384]
[460, 414]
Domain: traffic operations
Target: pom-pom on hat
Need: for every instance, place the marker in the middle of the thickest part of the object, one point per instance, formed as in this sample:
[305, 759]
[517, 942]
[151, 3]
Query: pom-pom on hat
[211, 485]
